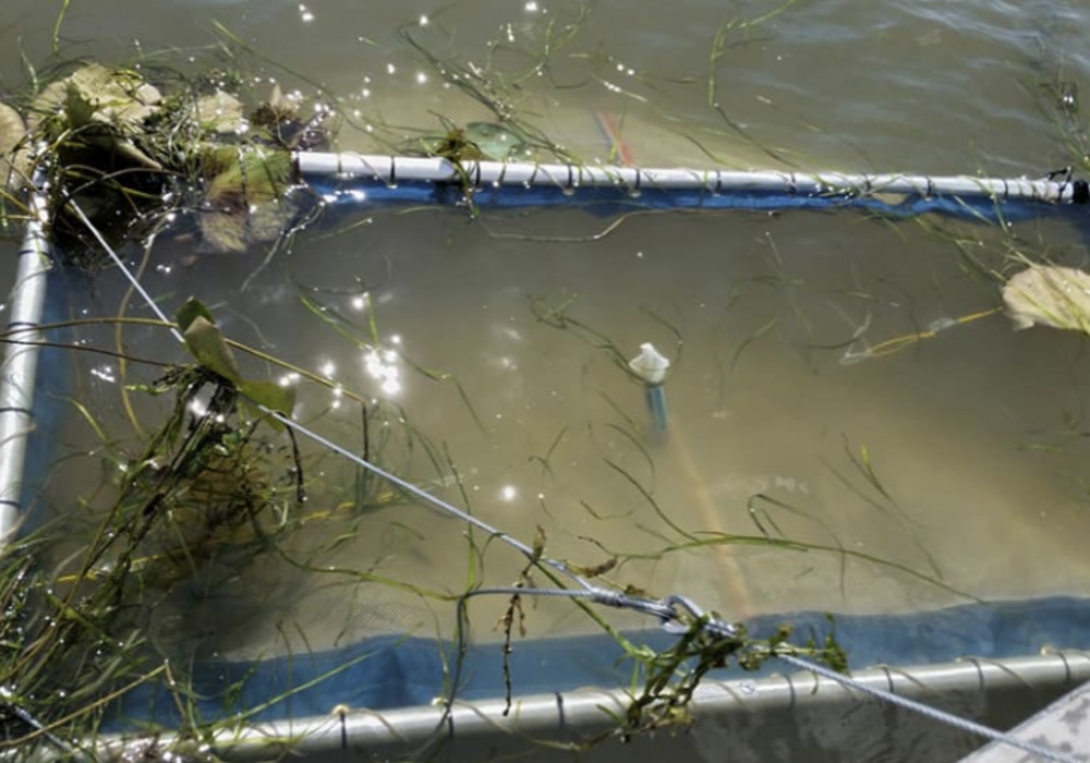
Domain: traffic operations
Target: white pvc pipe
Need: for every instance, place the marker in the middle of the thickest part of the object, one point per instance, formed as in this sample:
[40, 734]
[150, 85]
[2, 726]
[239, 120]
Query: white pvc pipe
[394, 169]
[20, 365]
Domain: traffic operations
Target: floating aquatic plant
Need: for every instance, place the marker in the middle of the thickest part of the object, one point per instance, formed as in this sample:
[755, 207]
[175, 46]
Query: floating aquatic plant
[247, 196]
[13, 153]
[138, 157]
[477, 141]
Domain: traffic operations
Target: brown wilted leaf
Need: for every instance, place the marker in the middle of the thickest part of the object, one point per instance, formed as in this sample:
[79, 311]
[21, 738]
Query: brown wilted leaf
[13, 155]
[111, 106]
[1049, 295]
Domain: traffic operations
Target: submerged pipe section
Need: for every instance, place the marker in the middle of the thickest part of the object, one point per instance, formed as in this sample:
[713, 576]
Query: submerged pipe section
[20, 365]
[391, 170]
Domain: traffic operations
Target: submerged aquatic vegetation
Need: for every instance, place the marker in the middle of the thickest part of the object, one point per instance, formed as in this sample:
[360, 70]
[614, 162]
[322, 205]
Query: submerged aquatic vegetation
[216, 488]
[213, 490]
[138, 156]
[247, 196]
[663, 692]
[79, 630]
[477, 141]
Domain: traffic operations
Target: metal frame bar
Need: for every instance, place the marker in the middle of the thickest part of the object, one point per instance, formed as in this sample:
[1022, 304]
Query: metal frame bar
[741, 717]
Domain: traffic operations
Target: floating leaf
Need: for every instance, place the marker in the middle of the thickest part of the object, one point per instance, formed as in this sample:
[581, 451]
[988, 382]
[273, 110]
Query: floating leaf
[268, 395]
[219, 113]
[12, 151]
[496, 142]
[12, 129]
[210, 350]
[247, 196]
[240, 177]
[1049, 295]
[276, 111]
[192, 309]
[116, 97]
[113, 103]
[205, 341]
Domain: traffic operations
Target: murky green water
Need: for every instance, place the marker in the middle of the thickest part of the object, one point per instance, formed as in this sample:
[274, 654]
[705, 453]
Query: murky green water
[959, 458]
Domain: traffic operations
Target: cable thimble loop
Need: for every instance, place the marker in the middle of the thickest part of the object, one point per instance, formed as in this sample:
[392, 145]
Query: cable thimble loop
[682, 608]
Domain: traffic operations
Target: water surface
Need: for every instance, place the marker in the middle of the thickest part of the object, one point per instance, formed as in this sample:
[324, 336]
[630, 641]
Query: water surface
[957, 461]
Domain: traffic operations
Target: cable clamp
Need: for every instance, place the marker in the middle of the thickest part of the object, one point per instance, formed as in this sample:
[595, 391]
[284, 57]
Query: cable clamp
[609, 597]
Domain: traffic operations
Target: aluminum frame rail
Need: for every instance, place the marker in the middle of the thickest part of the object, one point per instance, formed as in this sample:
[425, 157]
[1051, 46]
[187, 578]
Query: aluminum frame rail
[791, 716]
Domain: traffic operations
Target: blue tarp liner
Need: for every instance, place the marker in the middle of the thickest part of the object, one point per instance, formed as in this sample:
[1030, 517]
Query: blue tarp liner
[350, 197]
[393, 672]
